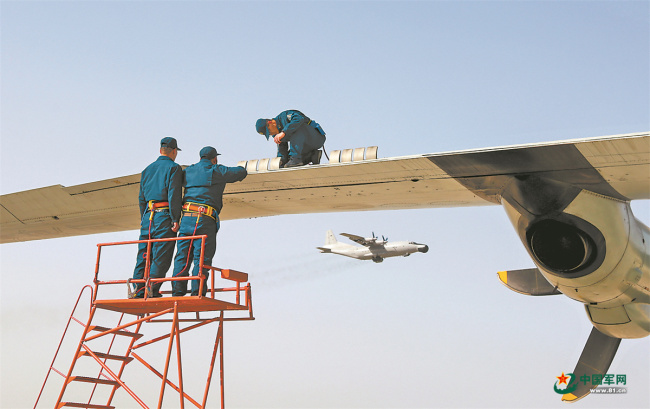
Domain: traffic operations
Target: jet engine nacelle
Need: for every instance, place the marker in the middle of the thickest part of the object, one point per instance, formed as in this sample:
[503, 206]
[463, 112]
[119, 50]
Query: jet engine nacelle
[588, 246]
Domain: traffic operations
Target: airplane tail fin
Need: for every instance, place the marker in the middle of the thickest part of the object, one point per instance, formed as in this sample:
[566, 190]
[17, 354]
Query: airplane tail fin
[330, 238]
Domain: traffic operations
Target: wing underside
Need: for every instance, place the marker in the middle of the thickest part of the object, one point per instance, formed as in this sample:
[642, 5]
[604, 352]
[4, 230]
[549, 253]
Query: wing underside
[615, 166]
[358, 239]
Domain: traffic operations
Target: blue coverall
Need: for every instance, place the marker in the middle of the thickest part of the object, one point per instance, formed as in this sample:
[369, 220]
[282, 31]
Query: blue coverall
[305, 136]
[204, 184]
[161, 181]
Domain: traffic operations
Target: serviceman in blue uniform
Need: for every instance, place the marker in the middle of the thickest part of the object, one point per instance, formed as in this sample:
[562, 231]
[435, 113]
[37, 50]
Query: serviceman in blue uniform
[204, 184]
[160, 201]
[299, 138]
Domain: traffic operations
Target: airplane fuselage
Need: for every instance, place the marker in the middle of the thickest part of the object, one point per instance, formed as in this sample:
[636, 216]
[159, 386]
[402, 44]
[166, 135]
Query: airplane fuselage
[376, 252]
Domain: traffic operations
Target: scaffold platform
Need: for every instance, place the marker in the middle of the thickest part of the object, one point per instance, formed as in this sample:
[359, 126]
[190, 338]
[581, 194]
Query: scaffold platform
[111, 349]
[154, 305]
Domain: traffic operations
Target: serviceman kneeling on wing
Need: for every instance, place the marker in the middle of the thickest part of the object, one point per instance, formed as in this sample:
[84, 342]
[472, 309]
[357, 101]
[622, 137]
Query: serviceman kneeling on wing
[299, 139]
[204, 184]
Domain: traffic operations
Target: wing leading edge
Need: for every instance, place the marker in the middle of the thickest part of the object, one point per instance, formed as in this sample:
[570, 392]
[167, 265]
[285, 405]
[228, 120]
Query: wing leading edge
[615, 166]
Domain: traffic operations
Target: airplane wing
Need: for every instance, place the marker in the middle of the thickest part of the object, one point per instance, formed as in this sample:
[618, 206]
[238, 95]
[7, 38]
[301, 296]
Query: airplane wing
[615, 166]
[359, 239]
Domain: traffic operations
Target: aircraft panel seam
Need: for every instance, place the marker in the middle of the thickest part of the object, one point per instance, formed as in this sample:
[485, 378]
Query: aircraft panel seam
[104, 188]
[66, 215]
[13, 215]
[337, 186]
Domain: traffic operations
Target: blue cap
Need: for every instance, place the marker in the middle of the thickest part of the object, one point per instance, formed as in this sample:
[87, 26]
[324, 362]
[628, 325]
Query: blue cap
[169, 142]
[208, 152]
[260, 127]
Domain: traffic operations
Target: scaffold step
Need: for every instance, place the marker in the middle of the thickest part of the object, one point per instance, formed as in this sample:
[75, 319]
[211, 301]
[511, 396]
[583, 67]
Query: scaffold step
[84, 405]
[107, 356]
[94, 380]
[125, 333]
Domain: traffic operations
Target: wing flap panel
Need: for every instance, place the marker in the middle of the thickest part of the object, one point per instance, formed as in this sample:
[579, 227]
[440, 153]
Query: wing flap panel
[623, 165]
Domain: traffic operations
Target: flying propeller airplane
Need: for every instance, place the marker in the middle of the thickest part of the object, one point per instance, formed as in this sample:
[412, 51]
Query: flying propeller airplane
[569, 202]
[373, 248]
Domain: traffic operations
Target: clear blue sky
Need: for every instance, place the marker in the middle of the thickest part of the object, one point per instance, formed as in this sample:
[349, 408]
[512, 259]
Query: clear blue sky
[90, 87]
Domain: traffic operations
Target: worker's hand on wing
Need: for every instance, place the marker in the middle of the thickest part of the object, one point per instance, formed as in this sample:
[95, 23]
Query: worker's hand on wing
[278, 138]
[175, 227]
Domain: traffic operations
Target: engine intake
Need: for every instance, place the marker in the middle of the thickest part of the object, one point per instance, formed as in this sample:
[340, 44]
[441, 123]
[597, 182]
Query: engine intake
[561, 247]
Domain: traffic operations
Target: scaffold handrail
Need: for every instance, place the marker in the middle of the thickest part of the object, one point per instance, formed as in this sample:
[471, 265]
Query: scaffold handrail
[65, 331]
[226, 274]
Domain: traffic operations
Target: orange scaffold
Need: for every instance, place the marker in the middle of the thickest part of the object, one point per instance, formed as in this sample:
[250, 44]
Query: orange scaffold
[110, 352]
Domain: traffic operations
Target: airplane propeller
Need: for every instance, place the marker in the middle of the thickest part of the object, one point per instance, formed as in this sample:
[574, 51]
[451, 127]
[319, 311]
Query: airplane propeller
[384, 239]
[600, 349]
[595, 359]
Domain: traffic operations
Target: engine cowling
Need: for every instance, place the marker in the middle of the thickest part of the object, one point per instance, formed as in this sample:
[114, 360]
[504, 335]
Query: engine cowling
[591, 248]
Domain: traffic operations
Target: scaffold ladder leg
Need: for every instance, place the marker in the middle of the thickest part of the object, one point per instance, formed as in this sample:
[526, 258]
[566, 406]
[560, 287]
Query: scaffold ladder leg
[169, 352]
[218, 347]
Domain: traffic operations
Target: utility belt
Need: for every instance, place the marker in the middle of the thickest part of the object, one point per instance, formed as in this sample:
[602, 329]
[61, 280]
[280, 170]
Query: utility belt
[154, 206]
[197, 209]
[316, 126]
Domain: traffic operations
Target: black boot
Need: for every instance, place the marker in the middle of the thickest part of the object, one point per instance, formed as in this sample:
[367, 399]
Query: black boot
[293, 161]
[315, 156]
